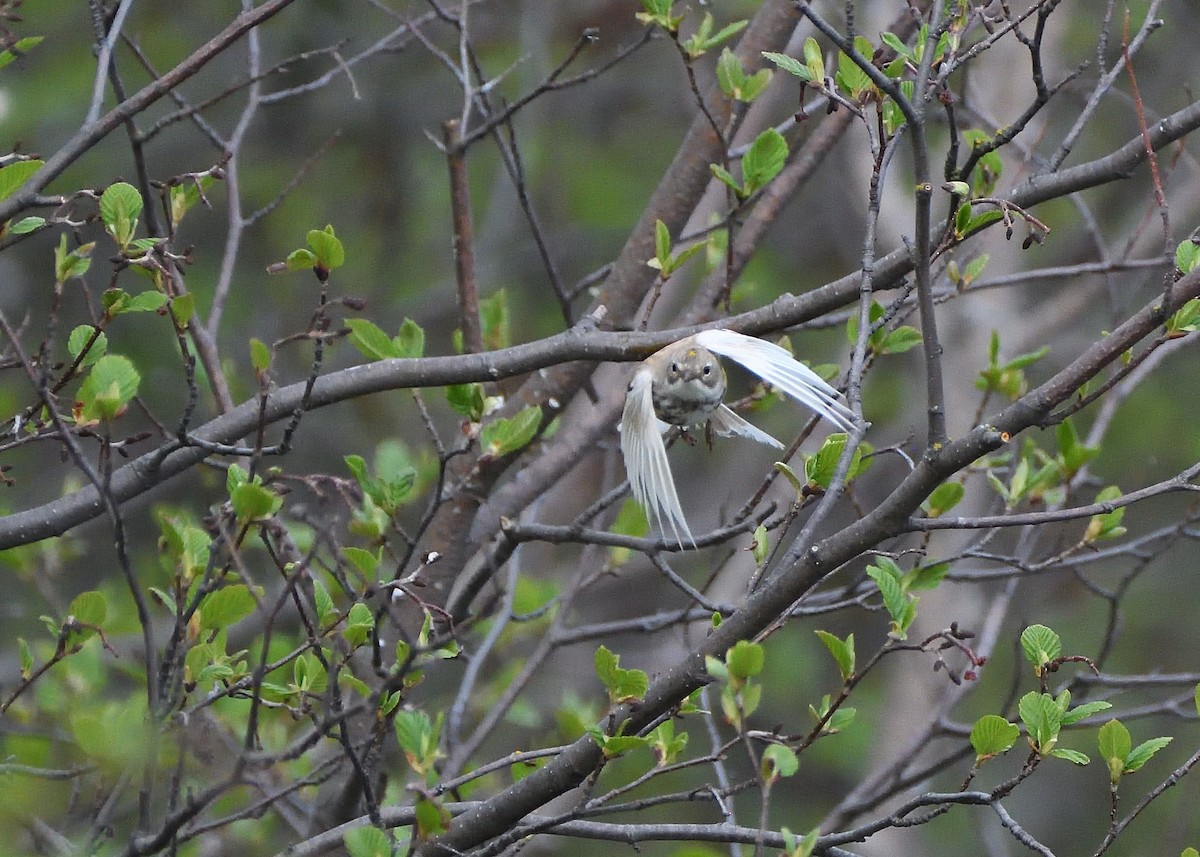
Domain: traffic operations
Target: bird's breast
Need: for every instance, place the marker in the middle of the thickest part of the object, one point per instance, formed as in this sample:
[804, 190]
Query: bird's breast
[686, 402]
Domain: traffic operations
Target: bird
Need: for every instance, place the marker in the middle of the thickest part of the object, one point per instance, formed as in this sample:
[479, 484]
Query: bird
[683, 385]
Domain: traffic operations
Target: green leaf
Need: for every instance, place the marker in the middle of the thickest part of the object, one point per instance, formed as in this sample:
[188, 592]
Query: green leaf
[1072, 756]
[433, 819]
[253, 501]
[16, 174]
[992, 735]
[184, 196]
[1041, 645]
[326, 247]
[852, 79]
[1043, 720]
[745, 659]
[372, 342]
[1185, 320]
[790, 64]
[298, 260]
[665, 743]
[1083, 711]
[91, 338]
[754, 85]
[145, 302]
[622, 684]
[814, 59]
[89, 608]
[1114, 742]
[74, 263]
[226, 607]
[27, 224]
[418, 737]
[107, 390]
[887, 577]
[893, 41]
[925, 577]
[820, 467]
[779, 760]
[842, 651]
[763, 160]
[1106, 525]
[466, 399]
[367, 841]
[1143, 752]
[503, 437]
[364, 561]
[944, 498]
[761, 545]
[359, 624]
[19, 49]
[723, 175]
[323, 602]
[1187, 254]
[120, 207]
[1074, 453]
[903, 338]
[730, 75]
[26, 656]
[494, 320]
[182, 307]
[630, 521]
[260, 355]
[410, 341]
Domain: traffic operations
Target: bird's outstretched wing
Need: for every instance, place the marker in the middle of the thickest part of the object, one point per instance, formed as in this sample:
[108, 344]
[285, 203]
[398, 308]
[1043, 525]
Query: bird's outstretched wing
[646, 459]
[777, 367]
[726, 422]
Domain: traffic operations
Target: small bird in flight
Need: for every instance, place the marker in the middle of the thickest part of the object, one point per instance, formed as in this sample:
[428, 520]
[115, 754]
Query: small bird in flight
[683, 385]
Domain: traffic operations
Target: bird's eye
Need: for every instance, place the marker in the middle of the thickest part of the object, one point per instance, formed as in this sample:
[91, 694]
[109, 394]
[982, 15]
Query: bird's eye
[674, 366]
[707, 370]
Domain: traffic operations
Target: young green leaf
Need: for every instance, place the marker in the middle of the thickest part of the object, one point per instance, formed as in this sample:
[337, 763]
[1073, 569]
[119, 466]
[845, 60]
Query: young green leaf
[1041, 645]
[359, 624]
[89, 608]
[745, 659]
[19, 49]
[992, 735]
[842, 651]
[665, 743]
[225, 607]
[120, 207]
[12, 176]
[107, 390]
[326, 248]
[505, 436]
[779, 760]
[371, 342]
[260, 355]
[73, 263]
[1043, 720]
[253, 501]
[763, 160]
[1187, 254]
[944, 498]
[1106, 525]
[622, 684]
[791, 65]
[367, 841]
[89, 341]
[418, 737]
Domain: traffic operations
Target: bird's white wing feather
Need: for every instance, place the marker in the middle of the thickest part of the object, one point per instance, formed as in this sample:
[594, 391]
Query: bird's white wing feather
[726, 422]
[777, 367]
[646, 459]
